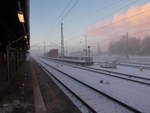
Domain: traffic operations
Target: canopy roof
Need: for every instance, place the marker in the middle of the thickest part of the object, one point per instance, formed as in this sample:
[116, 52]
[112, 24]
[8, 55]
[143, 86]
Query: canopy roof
[10, 27]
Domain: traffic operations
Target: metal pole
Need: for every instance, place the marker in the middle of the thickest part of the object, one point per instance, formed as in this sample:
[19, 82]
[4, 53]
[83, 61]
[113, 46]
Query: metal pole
[62, 41]
[66, 48]
[8, 62]
[86, 45]
[127, 45]
[89, 52]
[16, 40]
[44, 49]
[24, 29]
[98, 49]
[19, 5]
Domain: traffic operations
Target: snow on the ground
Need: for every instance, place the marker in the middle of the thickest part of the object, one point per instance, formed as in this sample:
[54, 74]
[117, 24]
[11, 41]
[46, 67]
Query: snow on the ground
[127, 70]
[100, 103]
[135, 65]
[136, 95]
[131, 59]
[137, 59]
[77, 102]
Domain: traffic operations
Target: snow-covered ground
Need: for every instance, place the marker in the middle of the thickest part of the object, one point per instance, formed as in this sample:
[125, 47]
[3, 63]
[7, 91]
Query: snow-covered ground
[127, 70]
[98, 102]
[131, 59]
[136, 65]
[137, 59]
[134, 94]
[75, 100]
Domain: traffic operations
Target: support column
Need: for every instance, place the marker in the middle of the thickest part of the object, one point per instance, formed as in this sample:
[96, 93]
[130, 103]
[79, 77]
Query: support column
[8, 62]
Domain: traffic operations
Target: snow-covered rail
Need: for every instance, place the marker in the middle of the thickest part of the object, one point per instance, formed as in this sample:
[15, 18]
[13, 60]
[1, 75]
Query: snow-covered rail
[88, 94]
[129, 77]
[79, 102]
[134, 78]
[137, 65]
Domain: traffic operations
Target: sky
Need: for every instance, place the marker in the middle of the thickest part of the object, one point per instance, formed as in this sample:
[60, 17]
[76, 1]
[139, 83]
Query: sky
[87, 18]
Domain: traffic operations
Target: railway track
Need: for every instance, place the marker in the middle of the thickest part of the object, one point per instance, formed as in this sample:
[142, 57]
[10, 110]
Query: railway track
[92, 90]
[137, 65]
[129, 77]
[132, 64]
[62, 85]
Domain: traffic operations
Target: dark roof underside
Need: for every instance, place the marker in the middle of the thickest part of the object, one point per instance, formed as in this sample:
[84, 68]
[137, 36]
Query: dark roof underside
[10, 27]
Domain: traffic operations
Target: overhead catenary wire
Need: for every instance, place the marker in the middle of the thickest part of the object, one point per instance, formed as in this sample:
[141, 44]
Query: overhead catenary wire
[141, 31]
[71, 8]
[119, 9]
[64, 15]
[103, 8]
[132, 34]
[132, 19]
[64, 10]
[108, 6]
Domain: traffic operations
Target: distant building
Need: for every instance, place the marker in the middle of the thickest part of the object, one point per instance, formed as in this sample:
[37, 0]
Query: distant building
[53, 53]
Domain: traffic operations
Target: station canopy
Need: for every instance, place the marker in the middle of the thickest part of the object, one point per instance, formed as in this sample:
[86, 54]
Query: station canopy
[11, 28]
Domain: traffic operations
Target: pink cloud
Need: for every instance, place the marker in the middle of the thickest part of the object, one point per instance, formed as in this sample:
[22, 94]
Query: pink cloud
[136, 20]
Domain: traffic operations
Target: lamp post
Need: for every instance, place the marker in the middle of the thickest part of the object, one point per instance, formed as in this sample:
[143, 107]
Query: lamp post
[89, 52]
[21, 20]
[86, 46]
[21, 17]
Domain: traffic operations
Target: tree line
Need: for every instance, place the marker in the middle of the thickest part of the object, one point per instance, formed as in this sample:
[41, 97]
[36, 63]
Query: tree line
[130, 46]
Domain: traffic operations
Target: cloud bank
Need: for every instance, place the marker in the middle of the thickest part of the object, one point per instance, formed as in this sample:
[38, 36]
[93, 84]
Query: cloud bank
[136, 22]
